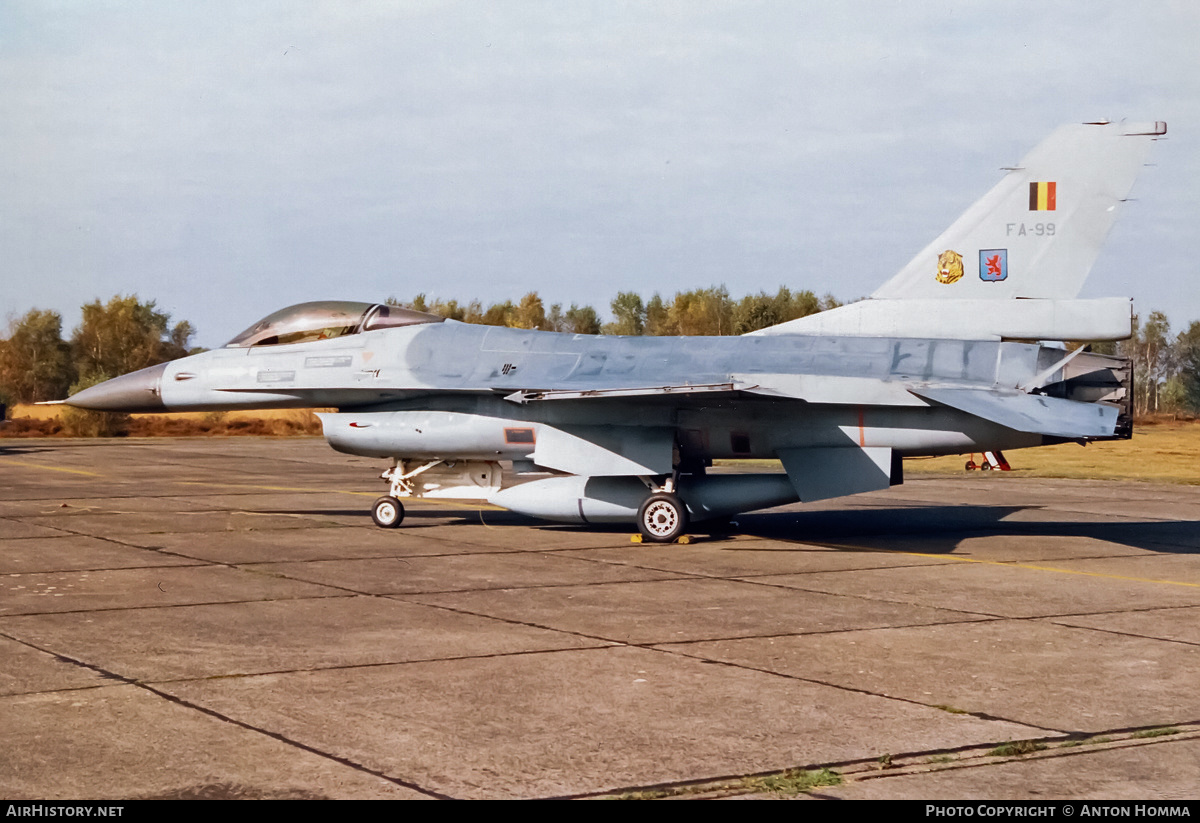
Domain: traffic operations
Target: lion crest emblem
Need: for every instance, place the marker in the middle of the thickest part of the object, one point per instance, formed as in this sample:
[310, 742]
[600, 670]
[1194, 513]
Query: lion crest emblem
[950, 267]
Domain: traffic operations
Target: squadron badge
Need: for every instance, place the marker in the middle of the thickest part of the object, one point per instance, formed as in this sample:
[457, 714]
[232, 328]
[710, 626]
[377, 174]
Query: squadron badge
[950, 267]
[993, 265]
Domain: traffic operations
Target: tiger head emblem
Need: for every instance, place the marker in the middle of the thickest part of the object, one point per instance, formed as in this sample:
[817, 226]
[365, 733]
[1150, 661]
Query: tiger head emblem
[950, 267]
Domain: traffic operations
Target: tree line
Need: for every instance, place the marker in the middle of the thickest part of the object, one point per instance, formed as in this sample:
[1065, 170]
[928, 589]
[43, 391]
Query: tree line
[708, 311]
[1166, 367]
[126, 334]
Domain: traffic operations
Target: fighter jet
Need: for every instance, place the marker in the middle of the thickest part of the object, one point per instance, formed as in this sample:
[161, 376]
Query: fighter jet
[611, 429]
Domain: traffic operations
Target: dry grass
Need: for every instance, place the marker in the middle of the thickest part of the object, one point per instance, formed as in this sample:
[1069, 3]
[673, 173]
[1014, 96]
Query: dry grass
[280, 423]
[1163, 452]
[47, 421]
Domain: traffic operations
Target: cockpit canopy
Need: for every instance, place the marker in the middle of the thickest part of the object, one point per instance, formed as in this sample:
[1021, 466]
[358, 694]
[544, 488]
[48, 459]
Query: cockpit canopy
[324, 320]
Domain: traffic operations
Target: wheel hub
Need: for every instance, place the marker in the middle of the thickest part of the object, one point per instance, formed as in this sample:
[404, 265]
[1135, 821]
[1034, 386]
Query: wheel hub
[661, 518]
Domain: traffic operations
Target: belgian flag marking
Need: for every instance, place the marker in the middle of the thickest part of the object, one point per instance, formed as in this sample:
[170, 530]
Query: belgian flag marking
[1043, 196]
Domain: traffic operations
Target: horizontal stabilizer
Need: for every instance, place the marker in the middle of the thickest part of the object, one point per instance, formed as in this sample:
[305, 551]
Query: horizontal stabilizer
[822, 473]
[1032, 413]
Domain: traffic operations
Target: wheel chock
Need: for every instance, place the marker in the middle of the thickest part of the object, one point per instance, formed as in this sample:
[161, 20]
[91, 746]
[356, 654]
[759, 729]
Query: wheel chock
[682, 540]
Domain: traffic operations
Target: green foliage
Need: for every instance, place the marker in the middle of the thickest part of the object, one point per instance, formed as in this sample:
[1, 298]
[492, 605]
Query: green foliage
[577, 320]
[630, 314]
[709, 311]
[125, 335]
[657, 317]
[696, 312]
[530, 313]
[1154, 358]
[35, 361]
[702, 312]
[758, 311]
[1017, 748]
[795, 781]
[1187, 364]
[500, 314]
[1159, 732]
[1166, 370]
[1173, 395]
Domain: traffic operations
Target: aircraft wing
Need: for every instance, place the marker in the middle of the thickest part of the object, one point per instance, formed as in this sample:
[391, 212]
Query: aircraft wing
[1031, 413]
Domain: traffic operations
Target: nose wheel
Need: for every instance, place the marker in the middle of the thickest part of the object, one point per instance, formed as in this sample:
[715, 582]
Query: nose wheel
[387, 512]
[662, 518]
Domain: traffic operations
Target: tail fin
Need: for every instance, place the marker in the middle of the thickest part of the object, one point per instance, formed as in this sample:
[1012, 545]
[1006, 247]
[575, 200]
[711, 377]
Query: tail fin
[1037, 233]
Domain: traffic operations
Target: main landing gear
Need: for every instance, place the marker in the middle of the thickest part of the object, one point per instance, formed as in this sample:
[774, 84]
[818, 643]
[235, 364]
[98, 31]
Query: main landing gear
[663, 517]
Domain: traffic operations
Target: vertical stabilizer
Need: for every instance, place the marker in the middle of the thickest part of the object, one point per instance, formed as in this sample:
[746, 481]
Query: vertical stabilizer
[1037, 233]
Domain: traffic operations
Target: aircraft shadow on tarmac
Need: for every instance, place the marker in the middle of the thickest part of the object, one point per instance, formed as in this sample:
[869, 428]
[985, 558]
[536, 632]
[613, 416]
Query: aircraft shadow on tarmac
[940, 529]
[929, 529]
[12, 447]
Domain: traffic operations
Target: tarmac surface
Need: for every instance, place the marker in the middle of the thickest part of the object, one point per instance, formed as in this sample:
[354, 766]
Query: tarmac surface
[220, 618]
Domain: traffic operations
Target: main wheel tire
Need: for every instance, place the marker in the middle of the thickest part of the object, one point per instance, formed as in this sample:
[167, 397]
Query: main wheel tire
[388, 513]
[662, 518]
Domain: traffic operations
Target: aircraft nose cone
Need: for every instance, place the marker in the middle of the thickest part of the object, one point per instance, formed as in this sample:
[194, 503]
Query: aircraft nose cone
[139, 391]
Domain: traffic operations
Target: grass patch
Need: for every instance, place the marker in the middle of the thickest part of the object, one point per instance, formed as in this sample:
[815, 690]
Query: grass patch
[942, 758]
[1016, 748]
[794, 781]
[790, 782]
[654, 794]
[1089, 741]
[950, 709]
[65, 421]
[1163, 732]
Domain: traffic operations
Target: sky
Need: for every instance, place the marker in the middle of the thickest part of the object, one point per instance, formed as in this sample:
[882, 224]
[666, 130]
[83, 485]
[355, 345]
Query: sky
[226, 159]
